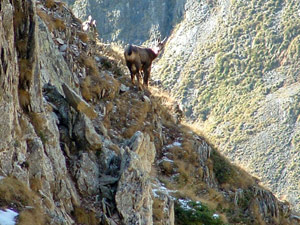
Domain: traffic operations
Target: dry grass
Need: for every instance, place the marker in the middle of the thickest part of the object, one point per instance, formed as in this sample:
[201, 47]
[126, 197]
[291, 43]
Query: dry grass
[232, 176]
[90, 63]
[25, 67]
[46, 18]
[22, 45]
[256, 213]
[158, 211]
[50, 4]
[35, 184]
[38, 120]
[24, 99]
[83, 36]
[19, 17]
[113, 51]
[14, 192]
[59, 24]
[39, 123]
[99, 87]
[131, 114]
[85, 217]
[51, 22]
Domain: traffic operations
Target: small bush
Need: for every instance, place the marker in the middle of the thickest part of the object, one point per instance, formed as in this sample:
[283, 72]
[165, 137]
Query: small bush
[222, 168]
[194, 213]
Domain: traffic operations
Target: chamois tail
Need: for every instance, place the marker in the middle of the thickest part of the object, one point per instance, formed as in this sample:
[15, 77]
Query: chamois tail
[129, 53]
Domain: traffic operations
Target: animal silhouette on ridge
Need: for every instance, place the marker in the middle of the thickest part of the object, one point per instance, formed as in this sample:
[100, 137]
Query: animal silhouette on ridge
[140, 59]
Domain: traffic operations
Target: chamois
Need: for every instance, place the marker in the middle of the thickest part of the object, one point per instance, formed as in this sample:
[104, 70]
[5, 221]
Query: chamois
[140, 59]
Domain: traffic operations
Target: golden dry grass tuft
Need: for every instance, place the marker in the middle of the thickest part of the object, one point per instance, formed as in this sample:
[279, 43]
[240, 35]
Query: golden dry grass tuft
[59, 24]
[35, 184]
[39, 123]
[158, 211]
[19, 16]
[24, 99]
[22, 45]
[38, 120]
[83, 36]
[85, 217]
[46, 18]
[99, 87]
[113, 51]
[51, 22]
[132, 112]
[14, 192]
[50, 4]
[26, 73]
[90, 63]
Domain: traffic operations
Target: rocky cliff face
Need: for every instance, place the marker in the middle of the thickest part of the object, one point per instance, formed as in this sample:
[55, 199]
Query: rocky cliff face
[81, 145]
[131, 21]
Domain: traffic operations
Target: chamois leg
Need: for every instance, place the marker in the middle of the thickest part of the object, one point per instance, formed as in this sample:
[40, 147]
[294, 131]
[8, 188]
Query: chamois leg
[131, 68]
[138, 67]
[138, 76]
[147, 70]
[132, 77]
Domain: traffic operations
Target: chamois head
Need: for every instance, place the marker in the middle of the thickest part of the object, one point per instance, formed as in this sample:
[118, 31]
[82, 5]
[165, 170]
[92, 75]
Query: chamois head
[159, 45]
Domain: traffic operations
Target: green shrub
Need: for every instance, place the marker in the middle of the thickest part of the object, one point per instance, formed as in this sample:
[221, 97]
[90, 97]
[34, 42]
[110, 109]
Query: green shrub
[222, 168]
[194, 213]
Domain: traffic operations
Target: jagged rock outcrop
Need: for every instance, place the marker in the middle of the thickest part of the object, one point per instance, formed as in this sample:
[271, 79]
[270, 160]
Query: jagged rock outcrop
[133, 197]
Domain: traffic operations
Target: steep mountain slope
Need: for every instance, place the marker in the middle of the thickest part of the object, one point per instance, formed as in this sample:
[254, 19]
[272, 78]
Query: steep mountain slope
[234, 68]
[130, 21]
[81, 145]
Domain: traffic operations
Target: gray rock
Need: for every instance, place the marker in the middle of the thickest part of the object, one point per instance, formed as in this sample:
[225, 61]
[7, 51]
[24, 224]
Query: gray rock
[124, 88]
[63, 48]
[86, 171]
[60, 41]
[133, 195]
[86, 136]
[78, 103]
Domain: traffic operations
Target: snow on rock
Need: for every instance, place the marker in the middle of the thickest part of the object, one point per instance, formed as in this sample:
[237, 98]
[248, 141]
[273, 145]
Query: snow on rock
[7, 217]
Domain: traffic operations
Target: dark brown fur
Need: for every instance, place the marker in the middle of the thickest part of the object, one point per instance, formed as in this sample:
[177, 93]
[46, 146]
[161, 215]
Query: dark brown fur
[140, 59]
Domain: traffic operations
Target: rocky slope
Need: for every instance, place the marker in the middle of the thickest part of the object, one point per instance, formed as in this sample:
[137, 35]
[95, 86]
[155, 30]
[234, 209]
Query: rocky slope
[81, 145]
[233, 66]
[131, 21]
[235, 71]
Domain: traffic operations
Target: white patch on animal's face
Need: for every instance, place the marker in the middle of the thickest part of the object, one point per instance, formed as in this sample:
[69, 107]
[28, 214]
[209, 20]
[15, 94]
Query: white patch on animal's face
[156, 49]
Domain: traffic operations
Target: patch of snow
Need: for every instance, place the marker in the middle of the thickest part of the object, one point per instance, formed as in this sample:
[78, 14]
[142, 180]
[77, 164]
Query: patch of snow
[7, 217]
[185, 204]
[166, 159]
[1, 177]
[124, 88]
[216, 216]
[159, 188]
[176, 143]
